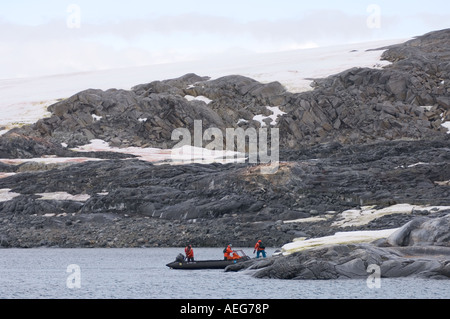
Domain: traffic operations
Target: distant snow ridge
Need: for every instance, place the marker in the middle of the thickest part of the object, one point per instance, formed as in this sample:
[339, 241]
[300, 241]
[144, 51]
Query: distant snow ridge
[294, 69]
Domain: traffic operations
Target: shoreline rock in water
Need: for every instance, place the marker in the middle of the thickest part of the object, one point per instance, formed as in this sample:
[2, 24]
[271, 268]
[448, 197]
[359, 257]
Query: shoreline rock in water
[421, 248]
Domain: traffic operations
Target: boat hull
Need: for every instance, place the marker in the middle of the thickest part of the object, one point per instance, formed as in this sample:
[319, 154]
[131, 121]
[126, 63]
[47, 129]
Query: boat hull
[204, 264]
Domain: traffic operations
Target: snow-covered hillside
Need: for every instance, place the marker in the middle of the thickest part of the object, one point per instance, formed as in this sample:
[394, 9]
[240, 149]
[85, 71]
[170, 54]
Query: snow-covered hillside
[25, 100]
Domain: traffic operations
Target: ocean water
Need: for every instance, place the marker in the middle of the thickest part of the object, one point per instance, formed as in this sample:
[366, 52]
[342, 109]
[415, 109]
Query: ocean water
[140, 273]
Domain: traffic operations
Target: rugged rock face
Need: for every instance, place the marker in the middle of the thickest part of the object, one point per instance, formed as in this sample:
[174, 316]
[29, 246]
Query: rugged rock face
[361, 137]
[145, 116]
[210, 200]
[425, 252]
[408, 99]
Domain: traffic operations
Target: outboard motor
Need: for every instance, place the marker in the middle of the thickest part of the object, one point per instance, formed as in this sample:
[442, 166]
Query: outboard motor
[180, 258]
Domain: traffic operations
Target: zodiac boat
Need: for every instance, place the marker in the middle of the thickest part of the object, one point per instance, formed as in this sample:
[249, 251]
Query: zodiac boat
[181, 263]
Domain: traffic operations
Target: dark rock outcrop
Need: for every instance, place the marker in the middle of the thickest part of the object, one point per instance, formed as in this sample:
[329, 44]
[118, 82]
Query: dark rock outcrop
[145, 116]
[427, 255]
[214, 198]
[407, 99]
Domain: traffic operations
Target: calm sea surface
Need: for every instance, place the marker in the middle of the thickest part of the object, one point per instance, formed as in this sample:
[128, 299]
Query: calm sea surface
[140, 273]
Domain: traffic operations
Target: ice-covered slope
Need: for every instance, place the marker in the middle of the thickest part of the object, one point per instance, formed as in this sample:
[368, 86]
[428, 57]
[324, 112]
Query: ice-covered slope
[26, 100]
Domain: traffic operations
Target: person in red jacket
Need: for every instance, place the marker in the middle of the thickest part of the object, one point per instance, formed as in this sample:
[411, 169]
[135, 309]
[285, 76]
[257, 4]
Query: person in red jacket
[260, 249]
[189, 253]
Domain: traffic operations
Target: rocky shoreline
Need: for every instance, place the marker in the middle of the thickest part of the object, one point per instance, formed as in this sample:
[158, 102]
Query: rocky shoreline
[362, 138]
[132, 203]
[418, 249]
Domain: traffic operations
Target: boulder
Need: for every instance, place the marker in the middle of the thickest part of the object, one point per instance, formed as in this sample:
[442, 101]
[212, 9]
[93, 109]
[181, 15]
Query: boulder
[397, 86]
[423, 231]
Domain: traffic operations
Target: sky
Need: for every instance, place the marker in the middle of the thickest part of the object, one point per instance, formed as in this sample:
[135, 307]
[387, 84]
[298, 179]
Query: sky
[57, 36]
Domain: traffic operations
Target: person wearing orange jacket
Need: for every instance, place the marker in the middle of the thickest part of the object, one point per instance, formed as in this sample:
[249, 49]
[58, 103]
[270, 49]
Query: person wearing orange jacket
[189, 253]
[260, 249]
[230, 254]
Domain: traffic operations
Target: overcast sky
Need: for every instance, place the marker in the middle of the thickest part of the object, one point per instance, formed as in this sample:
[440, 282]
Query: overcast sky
[58, 36]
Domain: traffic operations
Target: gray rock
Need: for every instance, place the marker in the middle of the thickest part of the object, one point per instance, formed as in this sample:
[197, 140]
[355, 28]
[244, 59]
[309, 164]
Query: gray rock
[422, 231]
[421, 259]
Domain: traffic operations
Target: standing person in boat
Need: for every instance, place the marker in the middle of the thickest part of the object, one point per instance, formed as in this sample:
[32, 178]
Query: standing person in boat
[189, 253]
[260, 249]
[230, 254]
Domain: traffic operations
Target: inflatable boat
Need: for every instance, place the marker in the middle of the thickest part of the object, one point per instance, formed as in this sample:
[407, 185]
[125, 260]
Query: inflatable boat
[181, 263]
